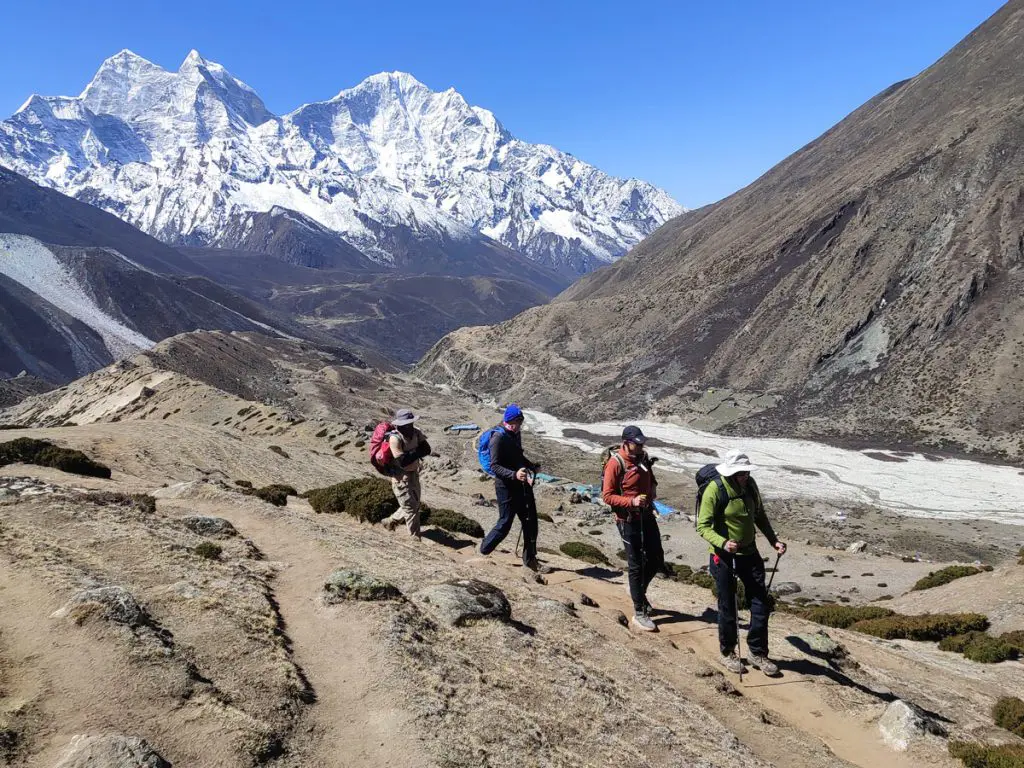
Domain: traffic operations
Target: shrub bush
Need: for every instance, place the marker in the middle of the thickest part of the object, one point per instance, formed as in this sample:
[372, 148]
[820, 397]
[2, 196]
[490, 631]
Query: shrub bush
[279, 451]
[979, 646]
[944, 576]
[450, 520]
[588, 553]
[368, 499]
[545, 517]
[140, 501]
[1014, 639]
[243, 483]
[209, 550]
[928, 626]
[844, 616]
[985, 756]
[1008, 713]
[276, 494]
[45, 454]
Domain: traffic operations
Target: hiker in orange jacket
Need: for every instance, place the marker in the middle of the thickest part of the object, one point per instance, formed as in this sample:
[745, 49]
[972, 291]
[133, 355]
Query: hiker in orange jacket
[629, 488]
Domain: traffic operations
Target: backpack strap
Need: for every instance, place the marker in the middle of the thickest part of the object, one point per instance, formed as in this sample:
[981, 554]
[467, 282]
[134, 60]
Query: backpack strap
[723, 500]
[622, 468]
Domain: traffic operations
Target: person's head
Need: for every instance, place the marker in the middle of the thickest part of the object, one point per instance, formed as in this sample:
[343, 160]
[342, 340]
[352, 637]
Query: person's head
[513, 418]
[403, 421]
[633, 440]
[737, 467]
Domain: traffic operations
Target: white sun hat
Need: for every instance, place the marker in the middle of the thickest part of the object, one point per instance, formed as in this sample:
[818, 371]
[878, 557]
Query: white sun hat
[733, 462]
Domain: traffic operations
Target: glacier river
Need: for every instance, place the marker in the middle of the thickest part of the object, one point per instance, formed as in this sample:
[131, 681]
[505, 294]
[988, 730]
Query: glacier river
[905, 482]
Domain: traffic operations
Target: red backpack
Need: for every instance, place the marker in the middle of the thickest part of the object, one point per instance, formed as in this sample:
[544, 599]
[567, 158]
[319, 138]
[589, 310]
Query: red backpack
[380, 448]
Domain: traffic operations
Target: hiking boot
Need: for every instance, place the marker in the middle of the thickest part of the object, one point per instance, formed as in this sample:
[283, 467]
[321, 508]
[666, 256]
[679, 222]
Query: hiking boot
[643, 622]
[535, 565]
[765, 664]
[732, 663]
[390, 523]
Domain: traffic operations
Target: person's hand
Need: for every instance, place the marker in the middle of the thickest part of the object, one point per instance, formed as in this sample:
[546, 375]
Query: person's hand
[640, 501]
[521, 474]
[731, 546]
[780, 547]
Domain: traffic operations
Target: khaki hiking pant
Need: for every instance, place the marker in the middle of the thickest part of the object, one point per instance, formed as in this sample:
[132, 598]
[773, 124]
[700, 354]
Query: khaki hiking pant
[406, 487]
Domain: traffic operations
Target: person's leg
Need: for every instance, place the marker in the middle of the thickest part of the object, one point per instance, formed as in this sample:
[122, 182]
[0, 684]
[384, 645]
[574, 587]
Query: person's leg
[721, 572]
[412, 519]
[506, 514]
[750, 569]
[527, 513]
[654, 553]
[629, 532]
[400, 487]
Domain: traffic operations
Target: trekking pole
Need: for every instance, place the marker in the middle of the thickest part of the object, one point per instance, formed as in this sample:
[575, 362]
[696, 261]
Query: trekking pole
[775, 570]
[736, 608]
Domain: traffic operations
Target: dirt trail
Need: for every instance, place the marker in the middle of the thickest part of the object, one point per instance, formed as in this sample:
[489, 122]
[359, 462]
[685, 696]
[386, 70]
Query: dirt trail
[354, 716]
[798, 698]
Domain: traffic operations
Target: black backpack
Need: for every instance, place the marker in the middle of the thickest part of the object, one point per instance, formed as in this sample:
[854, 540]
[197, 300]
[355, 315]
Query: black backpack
[704, 477]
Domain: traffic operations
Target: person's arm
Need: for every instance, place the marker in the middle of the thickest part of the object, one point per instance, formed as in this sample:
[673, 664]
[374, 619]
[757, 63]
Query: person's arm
[761, 520]
[613, 473]
[423, 449]
[496, 446]
[706, 518]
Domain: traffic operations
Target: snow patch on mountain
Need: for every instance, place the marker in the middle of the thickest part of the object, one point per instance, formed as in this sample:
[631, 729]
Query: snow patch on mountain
[30, 263]
[181, 154]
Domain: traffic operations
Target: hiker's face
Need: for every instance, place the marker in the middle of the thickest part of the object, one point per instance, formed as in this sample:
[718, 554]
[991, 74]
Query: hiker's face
[405, 430]
[741, 478]
[633, 449]
[514, 426]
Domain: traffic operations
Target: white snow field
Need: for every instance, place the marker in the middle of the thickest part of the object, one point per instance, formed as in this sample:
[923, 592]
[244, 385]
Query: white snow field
[27, 261]
[182, 154]
[905, 482]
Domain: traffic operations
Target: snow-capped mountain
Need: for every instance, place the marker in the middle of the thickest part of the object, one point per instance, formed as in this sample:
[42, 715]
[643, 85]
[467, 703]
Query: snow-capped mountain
[186, 155]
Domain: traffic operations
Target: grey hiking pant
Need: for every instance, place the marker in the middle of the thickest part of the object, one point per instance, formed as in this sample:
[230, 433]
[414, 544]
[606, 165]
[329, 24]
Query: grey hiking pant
[406, 487]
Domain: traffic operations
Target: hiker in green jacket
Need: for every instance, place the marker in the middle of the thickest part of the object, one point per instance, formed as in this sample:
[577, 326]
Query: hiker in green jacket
[728, 524]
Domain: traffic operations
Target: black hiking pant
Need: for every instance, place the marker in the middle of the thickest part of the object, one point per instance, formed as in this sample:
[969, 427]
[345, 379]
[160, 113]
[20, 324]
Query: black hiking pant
[750, 570]
[642, 542]
[514, 500]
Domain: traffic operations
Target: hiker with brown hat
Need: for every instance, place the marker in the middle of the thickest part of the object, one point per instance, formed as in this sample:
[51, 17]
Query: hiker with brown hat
[629, 487]
[730, 512]
[408, 447]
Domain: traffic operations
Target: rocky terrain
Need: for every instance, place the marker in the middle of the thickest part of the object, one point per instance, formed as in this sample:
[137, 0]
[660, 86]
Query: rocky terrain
[869, 284]
[203, 610]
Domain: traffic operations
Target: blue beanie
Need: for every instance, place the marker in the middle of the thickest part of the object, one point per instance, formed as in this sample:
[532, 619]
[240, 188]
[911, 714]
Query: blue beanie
[512, 413]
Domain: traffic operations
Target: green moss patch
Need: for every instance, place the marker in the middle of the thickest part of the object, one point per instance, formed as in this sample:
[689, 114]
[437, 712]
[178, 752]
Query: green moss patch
[351, 585]
[450, 520]
[208, 550]
[985, 756]
[1008, 713]
[928, 626]
[944, 576]
[588, 553]
[843, 616]
[43, 453]
[368, 499]
[276, 494]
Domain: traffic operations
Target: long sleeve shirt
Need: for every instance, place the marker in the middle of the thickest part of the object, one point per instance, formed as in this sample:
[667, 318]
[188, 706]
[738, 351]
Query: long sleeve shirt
[743, 513]
[507, 458]
[624, 482]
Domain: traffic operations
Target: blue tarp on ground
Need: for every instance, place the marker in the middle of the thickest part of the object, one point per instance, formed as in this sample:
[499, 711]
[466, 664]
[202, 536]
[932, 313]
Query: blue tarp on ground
[462, 428]
[664, 509]
[540, 477]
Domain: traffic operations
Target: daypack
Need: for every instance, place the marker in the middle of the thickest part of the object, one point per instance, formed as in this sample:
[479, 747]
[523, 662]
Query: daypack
[704, 477]
[611, 453]
[380, 448]
[483, 449]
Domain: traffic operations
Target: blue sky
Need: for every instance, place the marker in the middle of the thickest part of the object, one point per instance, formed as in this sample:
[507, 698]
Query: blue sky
[699, 98]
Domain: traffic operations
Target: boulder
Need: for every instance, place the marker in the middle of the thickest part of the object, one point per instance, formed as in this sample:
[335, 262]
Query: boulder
[118, 605]
[111, 751]
[345, 585]
[213, 527]
[903, 722]
[786, 588]
[857, 546]
[818, 644]
[464, 601]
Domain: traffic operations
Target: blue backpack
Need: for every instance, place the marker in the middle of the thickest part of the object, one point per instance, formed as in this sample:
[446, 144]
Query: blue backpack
[483, 449]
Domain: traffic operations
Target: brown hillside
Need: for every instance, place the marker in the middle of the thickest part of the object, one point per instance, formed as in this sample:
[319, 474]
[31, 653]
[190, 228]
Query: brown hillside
[873, 279]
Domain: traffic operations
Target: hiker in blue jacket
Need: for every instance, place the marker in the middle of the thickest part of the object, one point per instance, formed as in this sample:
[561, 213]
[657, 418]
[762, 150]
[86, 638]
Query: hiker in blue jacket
[513, 486]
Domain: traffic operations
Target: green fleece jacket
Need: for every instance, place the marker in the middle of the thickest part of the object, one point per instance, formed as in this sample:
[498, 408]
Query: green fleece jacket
[743, 512]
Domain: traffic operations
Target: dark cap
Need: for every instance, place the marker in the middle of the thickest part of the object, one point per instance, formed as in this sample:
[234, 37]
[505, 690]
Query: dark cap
[633, 435]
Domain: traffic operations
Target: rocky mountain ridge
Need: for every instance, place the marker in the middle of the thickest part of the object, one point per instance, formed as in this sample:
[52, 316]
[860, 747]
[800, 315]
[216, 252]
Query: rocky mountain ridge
[871, 282]
[388, 166]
